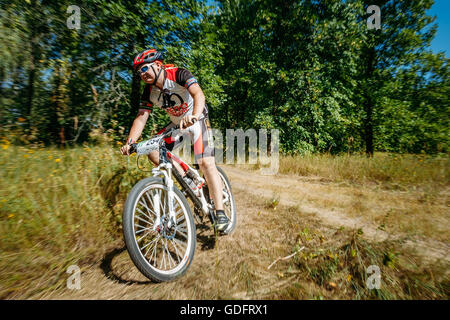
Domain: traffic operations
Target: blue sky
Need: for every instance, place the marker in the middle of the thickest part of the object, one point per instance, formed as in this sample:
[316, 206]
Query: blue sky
[441, 42]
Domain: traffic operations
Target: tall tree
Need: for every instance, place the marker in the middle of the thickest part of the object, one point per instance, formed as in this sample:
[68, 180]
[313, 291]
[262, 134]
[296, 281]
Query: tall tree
[404, 35]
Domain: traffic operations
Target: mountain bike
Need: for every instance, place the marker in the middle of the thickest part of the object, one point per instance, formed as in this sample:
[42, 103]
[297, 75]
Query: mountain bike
[158, 223]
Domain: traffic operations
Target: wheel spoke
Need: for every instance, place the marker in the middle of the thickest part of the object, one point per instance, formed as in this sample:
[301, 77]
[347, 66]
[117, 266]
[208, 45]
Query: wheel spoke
[176, 250]
[181, 226]
[179, 213]
[164, 255]
[162, 252]
[182, 244]
[182, 233]
[143, 220]
[153, 256]
[153, 241]
[149, 199]
[146, 207]
[145, 235]
[170, 256]
[142, 229]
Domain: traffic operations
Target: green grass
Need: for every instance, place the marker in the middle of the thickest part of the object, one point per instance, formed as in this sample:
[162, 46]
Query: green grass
[57, 208]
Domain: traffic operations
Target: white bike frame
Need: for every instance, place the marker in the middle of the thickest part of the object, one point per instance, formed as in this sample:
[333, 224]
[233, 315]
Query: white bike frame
[164, 170]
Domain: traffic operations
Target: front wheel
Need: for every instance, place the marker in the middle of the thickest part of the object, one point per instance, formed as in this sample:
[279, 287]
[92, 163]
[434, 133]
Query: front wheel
[161, 248]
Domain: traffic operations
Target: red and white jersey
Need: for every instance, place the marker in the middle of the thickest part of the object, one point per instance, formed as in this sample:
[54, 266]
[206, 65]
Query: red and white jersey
[175, 97]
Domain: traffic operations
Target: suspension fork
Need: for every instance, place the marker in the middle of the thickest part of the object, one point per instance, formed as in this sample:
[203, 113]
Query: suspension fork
[165, 170]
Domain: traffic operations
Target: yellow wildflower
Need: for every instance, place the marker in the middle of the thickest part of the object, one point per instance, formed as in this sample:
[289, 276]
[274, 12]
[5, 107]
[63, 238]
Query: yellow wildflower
[57, 160]
[5, 146]
[332, 285]
[10, 215]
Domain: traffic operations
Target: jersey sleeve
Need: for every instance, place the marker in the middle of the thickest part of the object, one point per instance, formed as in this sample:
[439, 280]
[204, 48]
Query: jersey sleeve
[145, 98]
[184, 78]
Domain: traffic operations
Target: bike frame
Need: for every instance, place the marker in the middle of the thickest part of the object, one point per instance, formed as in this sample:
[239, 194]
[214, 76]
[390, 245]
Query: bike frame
[165, 170]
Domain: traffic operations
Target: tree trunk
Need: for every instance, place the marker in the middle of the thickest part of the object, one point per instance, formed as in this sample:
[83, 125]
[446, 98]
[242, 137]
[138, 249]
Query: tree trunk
[368, 126]
[62, 137]
[32, 70]
[369, 103]
[30, 87]
[135, 92]
[2, 76]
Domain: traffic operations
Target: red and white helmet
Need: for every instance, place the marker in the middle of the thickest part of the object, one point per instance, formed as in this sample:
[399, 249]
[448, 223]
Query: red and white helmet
[147, 56]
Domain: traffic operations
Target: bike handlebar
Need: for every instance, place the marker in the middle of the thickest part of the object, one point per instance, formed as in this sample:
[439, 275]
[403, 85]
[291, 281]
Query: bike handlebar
[161, 136]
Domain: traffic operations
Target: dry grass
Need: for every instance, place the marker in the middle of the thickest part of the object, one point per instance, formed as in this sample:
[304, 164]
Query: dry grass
[396, 193]
[332, 266]
[335, 266]
[389, 171]
[55, 213]
[57, 208]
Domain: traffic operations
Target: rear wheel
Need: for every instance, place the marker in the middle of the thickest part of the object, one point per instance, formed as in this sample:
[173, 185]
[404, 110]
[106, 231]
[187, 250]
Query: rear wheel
[228, 201]
[160, 248]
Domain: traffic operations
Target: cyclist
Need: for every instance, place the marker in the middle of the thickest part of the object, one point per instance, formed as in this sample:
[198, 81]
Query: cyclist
[178, 93]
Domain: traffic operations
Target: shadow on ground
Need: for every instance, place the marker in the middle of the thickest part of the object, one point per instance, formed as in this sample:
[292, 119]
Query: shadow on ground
[206, 240]
[106, 266]
[205, 237]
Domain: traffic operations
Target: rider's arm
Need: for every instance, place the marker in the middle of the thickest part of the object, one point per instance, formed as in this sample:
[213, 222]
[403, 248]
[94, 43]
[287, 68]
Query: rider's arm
[138, 125]
[199, 99]
[187, 80]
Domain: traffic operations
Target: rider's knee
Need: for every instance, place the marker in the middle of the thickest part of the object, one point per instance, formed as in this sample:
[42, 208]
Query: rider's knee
[154, 157]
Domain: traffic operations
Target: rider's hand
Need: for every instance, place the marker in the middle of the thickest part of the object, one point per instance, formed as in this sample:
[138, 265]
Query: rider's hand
[187, 121]
[125, 150]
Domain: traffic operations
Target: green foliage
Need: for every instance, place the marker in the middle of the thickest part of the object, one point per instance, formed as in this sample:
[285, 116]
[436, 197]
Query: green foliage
[311, 69]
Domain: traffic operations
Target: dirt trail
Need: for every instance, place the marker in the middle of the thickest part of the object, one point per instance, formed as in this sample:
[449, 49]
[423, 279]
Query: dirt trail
[235, 267]
[291, 190]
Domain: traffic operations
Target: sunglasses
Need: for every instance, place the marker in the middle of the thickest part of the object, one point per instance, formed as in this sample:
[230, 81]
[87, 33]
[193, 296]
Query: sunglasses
[145, 68]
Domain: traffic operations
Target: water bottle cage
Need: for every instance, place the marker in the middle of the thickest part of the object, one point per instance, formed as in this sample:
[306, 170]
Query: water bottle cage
[199, 181]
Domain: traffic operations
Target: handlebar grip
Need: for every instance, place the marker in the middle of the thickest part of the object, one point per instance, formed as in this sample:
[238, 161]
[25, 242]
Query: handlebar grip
[132, 148]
